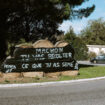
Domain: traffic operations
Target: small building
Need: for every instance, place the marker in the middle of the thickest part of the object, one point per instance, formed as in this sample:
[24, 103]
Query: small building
[98, 49]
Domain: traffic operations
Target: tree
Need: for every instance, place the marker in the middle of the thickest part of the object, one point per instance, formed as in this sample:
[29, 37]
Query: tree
[94, 33]
[70, 35]
[36, 19]
[80, 48]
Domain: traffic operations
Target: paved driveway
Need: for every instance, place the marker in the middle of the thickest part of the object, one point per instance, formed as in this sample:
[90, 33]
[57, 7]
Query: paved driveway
[89, 63]
[81, 93]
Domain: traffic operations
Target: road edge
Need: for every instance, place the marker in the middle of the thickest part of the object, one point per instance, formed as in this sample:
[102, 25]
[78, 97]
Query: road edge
[49, 83]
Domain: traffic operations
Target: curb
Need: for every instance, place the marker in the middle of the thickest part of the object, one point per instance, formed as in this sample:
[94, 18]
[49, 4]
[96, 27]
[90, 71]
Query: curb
[48, 83]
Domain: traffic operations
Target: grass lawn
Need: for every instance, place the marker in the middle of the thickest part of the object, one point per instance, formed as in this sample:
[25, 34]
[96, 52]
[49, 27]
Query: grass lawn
[84, 72]
[87, 72]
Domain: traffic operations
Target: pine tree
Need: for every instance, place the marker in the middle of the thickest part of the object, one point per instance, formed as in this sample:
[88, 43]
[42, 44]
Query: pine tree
[36, 19]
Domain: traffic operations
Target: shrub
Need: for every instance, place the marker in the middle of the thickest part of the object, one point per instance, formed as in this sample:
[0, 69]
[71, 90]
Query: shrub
[92, 55]
[80, 48]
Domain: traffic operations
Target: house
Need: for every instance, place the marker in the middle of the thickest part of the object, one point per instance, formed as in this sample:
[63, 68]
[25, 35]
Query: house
[98, 49]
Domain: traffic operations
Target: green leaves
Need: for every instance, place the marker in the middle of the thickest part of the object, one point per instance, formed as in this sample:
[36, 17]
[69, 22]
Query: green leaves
[94, 33]
[78, 45]
[67, 11]
[55, 1]
[36, 19]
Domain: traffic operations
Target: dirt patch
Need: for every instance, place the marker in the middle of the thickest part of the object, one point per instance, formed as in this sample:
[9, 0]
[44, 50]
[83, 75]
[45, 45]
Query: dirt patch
[26, 80]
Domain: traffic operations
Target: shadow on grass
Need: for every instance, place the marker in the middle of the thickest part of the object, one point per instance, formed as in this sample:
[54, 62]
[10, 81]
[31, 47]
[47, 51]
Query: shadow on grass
[83, 66]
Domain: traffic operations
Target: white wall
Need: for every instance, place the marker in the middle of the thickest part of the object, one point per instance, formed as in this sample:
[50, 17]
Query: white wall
[98, 49]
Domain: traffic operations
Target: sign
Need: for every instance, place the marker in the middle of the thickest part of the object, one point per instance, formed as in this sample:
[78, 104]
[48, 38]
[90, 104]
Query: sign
[41, 59]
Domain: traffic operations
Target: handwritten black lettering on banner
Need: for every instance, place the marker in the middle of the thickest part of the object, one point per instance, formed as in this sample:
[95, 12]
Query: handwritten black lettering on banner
[41, 59]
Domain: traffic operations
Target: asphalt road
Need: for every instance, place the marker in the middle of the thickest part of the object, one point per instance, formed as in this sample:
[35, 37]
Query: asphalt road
[88, 63]
[81, 93]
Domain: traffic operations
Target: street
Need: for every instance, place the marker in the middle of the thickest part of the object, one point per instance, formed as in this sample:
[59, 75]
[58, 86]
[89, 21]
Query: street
[88, 63]
[81, 93]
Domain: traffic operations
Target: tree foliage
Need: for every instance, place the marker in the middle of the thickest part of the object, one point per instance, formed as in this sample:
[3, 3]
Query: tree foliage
[81, 50]
[35, 19]
[94, 33]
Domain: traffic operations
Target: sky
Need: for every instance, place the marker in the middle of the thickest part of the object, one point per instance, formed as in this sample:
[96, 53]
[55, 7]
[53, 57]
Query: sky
[78, 24]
